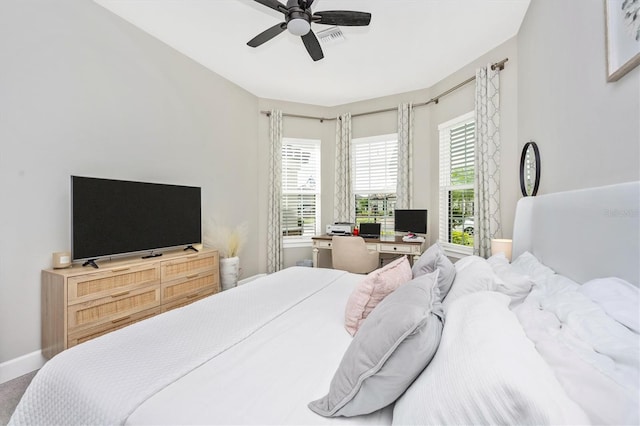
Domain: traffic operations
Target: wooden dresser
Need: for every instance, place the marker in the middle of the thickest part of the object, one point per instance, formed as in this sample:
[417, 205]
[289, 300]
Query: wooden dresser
[80, 303]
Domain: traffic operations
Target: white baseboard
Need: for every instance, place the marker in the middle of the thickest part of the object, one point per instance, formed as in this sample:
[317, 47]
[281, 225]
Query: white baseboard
[20, 366]
[249, 279]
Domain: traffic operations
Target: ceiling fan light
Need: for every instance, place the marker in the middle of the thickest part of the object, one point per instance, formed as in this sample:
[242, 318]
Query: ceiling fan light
[298, 27]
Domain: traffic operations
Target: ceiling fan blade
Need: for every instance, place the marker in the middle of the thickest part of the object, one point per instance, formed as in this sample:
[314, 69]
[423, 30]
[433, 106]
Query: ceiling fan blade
[342, 17]
[267, 34]
[273, 4]
[313, 46]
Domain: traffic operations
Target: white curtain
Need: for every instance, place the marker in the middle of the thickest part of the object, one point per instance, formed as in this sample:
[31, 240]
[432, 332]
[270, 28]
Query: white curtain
[344, 209]
[274, 215]
[404, 187]
[487, 160]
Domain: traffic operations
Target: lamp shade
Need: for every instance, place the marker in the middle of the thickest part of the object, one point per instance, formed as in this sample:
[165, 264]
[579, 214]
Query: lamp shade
[501, 246]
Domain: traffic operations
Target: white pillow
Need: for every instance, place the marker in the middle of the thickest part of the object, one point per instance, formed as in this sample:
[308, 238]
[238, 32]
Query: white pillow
[512, 283]
[473, 274]
[619, 299]
[528, 264]
[486, 371]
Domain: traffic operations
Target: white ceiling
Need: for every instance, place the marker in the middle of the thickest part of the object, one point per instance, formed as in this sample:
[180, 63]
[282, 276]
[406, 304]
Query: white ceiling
[409, 45]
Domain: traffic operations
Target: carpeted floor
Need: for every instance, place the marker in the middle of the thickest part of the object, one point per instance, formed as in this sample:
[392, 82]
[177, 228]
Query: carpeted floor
[10, 394]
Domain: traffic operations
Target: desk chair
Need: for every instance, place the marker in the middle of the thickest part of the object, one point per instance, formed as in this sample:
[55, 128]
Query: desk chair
[351, 254]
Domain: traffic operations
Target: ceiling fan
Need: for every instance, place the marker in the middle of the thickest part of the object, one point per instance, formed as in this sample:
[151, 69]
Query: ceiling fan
[298, 18]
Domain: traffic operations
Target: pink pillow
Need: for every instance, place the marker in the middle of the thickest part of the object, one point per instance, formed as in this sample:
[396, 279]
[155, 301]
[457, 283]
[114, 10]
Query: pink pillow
[370, 291]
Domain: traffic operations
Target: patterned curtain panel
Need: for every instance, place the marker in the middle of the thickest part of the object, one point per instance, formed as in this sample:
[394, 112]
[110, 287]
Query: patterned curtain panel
[274, 233]
[344, 208]
[404, 189]
[487, 160]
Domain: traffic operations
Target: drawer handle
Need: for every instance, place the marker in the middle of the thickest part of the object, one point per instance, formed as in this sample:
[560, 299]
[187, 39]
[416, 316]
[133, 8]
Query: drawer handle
[121, 319]
[395, 248]
[329, 245]
[192, 276]
[191, 296]
[122, 293]
[126, 268]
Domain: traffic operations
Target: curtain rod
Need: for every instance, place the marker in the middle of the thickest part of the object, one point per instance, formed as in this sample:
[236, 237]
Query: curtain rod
[499, 65]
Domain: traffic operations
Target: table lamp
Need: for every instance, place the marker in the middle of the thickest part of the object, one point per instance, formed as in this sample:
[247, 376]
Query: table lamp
[500, 245]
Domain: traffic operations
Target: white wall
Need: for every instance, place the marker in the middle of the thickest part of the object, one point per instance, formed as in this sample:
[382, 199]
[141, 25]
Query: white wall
[83, 92]
[587, 130]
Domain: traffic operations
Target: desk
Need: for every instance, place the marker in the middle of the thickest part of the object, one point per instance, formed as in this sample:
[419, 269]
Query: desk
[395, 245]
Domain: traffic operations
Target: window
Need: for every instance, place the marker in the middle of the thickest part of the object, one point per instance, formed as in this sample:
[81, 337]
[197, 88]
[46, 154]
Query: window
[374, 173]
[457, 167]
[300, 191]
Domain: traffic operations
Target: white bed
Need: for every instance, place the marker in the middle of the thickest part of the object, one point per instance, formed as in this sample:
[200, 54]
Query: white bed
[258, 354]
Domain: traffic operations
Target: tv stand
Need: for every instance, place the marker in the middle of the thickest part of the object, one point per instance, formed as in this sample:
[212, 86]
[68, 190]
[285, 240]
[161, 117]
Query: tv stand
[91, 262]
[190, 247]
[79, 304]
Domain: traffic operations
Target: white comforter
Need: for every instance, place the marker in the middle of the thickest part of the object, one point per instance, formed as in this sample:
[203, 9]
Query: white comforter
[272, 376]
[594, 357]
[109, 379]
[259, 353]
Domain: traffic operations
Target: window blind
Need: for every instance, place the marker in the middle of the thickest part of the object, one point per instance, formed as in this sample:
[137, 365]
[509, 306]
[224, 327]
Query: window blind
[300, 188]
[456, 181]
[374, 175]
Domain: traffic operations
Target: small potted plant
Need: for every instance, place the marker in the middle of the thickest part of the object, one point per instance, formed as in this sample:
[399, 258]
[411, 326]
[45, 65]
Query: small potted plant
[229, 242]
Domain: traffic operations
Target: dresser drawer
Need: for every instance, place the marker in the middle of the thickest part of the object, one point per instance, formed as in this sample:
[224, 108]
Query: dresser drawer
[395, 248]
[189, 266]
[323, 244]
[185, 286]
[82, 316]
[115, 324]
[111, 282]
[187, 299]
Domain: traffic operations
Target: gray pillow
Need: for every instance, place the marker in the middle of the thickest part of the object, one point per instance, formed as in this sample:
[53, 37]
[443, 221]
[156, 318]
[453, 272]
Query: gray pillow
[390, 350]
[432, 259]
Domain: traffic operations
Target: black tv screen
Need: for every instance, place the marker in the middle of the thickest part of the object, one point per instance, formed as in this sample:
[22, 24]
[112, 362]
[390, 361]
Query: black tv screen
[410, 221]
[110, 217]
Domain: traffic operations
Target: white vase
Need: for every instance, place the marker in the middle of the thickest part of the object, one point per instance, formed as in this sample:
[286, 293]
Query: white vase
[229, 269]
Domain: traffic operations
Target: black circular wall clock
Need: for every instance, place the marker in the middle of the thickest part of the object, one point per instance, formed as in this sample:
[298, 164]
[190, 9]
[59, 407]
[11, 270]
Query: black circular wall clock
[530, 169]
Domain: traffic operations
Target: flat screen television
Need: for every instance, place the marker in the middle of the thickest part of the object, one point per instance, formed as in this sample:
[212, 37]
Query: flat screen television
[112, 217]
[410, 221]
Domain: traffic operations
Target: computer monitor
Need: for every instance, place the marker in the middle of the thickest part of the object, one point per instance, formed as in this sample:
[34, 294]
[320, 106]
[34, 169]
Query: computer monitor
[410, 221]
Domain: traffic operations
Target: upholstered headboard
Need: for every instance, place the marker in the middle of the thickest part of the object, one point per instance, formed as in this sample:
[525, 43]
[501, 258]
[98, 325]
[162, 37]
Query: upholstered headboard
[583, 234]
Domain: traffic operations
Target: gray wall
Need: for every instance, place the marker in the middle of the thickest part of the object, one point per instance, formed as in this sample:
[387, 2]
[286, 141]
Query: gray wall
[553, 91]
[587, 129]
[293, 127]
[462, 101]
[427, 119]
[83, 92]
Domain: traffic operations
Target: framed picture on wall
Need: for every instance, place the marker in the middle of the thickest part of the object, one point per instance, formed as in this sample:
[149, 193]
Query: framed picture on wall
[622, 34]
